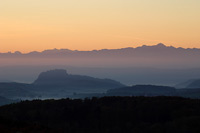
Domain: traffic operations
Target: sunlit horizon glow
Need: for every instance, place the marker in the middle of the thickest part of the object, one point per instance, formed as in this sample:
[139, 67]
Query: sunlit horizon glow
[37, 25]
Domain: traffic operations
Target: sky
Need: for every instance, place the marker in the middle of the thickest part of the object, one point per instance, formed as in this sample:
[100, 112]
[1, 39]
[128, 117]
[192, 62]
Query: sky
[29, 25]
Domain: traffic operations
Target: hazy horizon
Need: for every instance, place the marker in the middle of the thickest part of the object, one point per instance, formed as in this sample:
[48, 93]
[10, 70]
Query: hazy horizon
[35, 25]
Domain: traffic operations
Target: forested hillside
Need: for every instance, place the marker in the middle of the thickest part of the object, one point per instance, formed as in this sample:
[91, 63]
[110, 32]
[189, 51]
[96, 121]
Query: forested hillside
[103, 115]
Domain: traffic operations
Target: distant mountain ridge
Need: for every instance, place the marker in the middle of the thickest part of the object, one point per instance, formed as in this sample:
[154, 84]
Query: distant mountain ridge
[157, 56]
[159, 48]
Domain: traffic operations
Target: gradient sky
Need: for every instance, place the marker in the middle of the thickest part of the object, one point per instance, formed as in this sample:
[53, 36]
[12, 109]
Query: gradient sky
[28, 25]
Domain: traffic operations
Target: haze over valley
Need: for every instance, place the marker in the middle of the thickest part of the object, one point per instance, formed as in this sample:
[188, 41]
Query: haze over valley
[142, 71]
[158, 64]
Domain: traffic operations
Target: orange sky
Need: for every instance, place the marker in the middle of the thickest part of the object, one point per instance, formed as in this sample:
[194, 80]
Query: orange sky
[28, 25]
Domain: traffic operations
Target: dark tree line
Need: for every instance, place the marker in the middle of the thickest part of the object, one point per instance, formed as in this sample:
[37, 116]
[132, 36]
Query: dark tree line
[103, 115]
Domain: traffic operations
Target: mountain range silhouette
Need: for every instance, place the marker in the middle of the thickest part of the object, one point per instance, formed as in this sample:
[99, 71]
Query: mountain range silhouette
[157, 56]
[121, 52]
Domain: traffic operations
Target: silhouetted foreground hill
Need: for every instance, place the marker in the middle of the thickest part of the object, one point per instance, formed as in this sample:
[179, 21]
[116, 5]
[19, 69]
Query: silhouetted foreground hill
[153, 90]
[16, 90]
[143, 90]
[103, 115]
[4, 101]
[60, 78]
[57, 84]
[48, 87]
